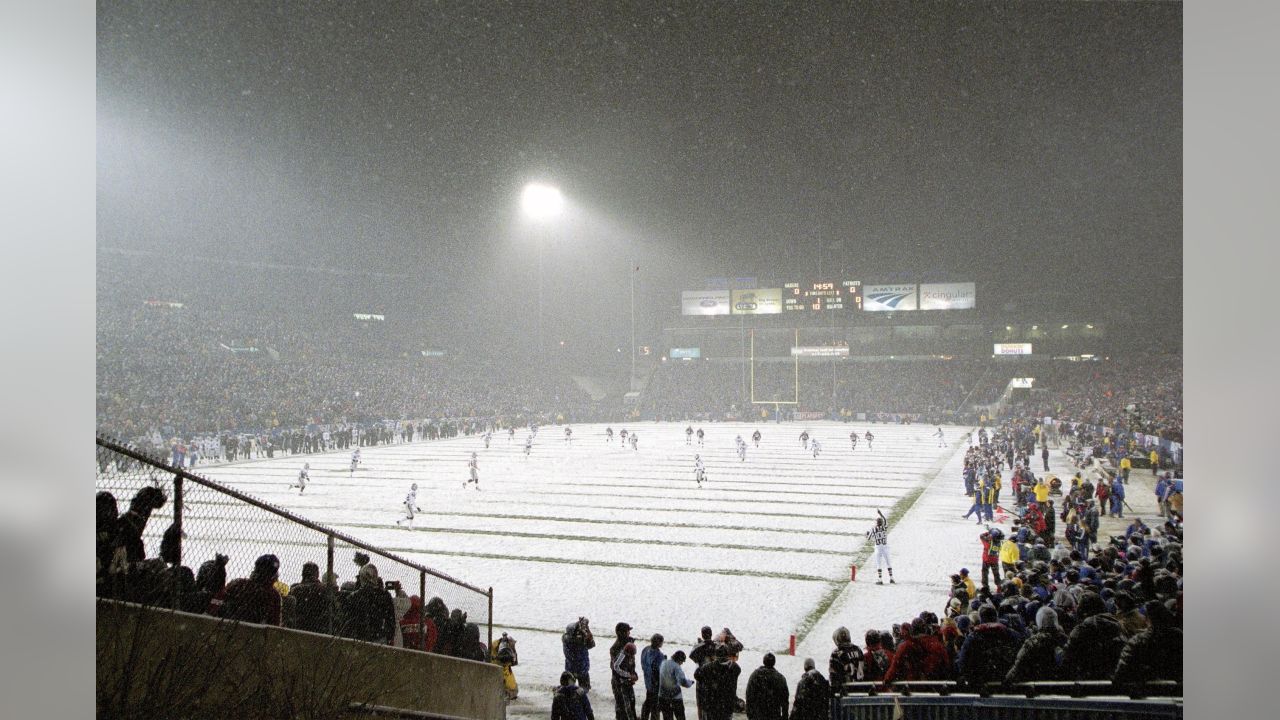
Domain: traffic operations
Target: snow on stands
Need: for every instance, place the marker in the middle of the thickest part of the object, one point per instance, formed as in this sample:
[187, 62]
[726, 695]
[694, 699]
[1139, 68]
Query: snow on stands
[594, 529]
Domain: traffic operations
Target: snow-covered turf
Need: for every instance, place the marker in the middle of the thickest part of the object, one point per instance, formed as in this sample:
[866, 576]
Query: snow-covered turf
[594, 529]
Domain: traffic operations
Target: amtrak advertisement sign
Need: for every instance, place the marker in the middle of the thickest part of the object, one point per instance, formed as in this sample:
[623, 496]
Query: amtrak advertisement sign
[888, 298]
[704, 302]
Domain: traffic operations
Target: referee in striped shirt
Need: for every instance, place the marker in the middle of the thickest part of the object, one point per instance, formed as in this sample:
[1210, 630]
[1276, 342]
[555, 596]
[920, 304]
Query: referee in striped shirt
[880, 535]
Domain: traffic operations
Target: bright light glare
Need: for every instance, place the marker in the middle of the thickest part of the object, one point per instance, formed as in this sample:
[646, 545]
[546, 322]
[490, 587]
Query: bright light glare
[541, 202]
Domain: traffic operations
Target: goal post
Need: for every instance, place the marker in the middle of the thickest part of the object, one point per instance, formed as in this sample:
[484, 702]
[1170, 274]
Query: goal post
[795, 360]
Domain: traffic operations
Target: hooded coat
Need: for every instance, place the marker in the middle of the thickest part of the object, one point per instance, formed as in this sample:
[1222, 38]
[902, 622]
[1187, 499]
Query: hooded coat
[987, 654]
[846, 664]
[767, 695]
[369, 613]
[570, 702]
[813, 697]
[1154, 654]
[1039, 655]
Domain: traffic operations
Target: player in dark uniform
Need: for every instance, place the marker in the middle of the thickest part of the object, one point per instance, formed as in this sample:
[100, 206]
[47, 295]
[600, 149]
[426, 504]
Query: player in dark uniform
[755, 438]
[688, 435]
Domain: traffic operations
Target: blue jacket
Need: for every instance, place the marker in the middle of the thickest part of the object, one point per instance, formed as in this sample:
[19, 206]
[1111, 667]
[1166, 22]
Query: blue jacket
[577, 658]
[650, 660]
[671, 678]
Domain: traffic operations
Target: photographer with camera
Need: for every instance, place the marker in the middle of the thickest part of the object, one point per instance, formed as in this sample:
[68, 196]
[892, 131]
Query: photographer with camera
[577, 641]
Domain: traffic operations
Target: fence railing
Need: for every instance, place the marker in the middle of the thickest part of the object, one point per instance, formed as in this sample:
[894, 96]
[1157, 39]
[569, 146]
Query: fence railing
[204, 519]
[1068, 700]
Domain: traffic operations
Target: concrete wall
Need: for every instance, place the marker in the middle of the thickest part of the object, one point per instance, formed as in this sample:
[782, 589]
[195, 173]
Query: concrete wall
[162, 663]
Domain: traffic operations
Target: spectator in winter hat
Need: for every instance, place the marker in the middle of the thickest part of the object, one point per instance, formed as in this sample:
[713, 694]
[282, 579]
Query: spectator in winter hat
[1038, 657]
[1131, 621]
[623, 682]
[671, 679]
[720, 679]
[570, 702]
[813, 695]
[133, 523]
[413, 639]
[650, 661]
[846, 664]
[988, 651]
[767, 692]
[253, 599]
[369, 613]
[1154, 653]
[875, 659]
[1094, 645]
[316, 602]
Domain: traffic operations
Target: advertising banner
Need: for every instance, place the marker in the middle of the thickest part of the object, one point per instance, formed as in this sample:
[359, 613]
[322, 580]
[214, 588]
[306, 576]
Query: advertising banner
[1022, 382]
[1012, 349]
[887, 298]
[761, 301]
[369, 317]
[820, 351]
[704, 302]
[685, 353]
[948, 296]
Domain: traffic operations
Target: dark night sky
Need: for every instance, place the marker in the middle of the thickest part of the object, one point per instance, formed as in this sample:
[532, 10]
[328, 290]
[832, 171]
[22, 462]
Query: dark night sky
[1033, 147]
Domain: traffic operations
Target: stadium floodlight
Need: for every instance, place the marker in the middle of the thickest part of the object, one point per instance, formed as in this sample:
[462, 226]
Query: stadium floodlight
[541, 202]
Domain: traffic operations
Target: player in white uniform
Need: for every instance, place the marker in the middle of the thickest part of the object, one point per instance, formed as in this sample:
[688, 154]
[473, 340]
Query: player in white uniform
[880, 536]
[635, 441]
[528, 445]
[410, 505]
[817, 447]
[488, 435]
[474, 466]
[742, 449]
[511, 433]
[355, 460]
[699, 470]
[941, 441]
[303, 476]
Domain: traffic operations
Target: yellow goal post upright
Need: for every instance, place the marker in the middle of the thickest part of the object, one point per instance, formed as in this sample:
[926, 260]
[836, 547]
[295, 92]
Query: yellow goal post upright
[795, 359]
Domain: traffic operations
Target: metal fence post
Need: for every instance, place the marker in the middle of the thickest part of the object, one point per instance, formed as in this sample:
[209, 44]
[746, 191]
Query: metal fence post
[329, 563]
[422, 608]
[490, 618]
[177, 524]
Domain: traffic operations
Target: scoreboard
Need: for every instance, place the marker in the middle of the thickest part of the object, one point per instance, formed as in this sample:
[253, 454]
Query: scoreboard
[822, 295]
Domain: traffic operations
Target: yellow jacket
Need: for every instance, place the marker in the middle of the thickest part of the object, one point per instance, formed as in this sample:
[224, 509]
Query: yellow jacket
[1042, 491]
[1125, 463]
[1009, 552]
[968, 585]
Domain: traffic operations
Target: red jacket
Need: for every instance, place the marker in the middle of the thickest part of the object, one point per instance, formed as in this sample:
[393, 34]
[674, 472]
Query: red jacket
[409, 629]
[988, 557]
[920, 658]
[247, 600]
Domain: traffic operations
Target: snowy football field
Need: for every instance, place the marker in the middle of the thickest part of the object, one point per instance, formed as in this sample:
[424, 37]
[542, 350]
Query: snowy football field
[598, 530]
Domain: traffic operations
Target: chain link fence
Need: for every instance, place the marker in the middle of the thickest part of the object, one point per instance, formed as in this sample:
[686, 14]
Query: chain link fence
[201, 524]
